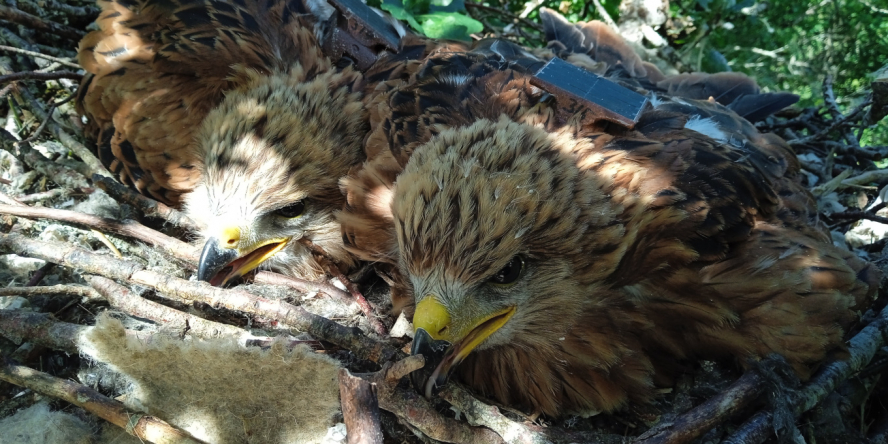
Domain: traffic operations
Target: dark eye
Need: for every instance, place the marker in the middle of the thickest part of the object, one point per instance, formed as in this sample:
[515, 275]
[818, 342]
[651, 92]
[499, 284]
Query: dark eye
[509, 273]
[292, 210]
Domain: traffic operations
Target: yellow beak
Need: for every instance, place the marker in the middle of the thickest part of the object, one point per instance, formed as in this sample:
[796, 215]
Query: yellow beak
[224, 259]
[432, 322]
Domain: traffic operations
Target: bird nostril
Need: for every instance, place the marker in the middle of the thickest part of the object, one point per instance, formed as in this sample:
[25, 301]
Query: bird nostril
[232, 241]
[442, 331]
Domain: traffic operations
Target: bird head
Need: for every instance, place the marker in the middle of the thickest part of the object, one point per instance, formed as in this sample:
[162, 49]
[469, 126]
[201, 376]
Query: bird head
[491, 222]
[273, 153]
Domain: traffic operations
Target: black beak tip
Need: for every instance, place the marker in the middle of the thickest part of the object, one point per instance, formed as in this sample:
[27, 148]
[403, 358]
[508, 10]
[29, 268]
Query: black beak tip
[434, 352]
[213, 259]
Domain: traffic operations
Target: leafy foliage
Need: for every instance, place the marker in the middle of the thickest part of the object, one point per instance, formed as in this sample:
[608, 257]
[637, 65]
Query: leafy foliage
[786, 45]
[434, 18]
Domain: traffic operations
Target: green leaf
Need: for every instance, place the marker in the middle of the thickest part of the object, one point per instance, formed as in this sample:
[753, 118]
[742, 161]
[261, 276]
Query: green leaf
[397, 11]
[449, 25]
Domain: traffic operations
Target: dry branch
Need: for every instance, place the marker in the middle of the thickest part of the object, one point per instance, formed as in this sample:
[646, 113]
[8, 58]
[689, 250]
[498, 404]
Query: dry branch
[37, 23]
[360, 409]
[137, 424]
[52, 194]
[238, 300]
[332, 268]
[862, 348]
[408, 405]
[53, 290]
[269, 278]
[41, 329]
[123, 299]
[480, 414]
[129, 228]
[39, 274]
[61, 175]
[148, 206]
[699, 420]
[34, 75]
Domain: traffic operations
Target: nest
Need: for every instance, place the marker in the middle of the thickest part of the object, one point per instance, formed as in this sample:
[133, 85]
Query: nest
[286, 360]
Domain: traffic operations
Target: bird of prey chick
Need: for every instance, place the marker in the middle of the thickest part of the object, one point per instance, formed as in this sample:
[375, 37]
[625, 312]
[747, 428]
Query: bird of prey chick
[569, 262]
[233, 111]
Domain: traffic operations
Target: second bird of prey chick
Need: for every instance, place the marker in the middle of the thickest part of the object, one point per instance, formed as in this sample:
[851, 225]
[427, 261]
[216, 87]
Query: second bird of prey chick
[570, 264]
[233, 111]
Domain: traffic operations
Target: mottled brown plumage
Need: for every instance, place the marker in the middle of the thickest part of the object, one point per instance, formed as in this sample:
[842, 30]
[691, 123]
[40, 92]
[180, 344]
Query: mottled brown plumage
[571, 264]
[233, 110]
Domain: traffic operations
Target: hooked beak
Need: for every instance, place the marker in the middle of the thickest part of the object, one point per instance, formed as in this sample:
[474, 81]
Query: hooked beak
[443, 348]
[218, 264]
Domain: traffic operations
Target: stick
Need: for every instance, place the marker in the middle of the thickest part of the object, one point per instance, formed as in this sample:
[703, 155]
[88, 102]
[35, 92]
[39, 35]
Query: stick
[480, 414]
[61, 175]
[269, 278]
[360, 409]
[52, 194]
[699, 420]
[123, 299]
[33, 75]
[238, 300]
[137, 424]
[857, 215]
[37, 23]
[862, 348]
[129, 228]
[53, 290]
[39, 275]
[148, 206]
[417, 411]
[41, 329]
[333, 269]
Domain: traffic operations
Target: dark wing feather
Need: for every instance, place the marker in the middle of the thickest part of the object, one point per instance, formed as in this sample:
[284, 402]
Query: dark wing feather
[156, 68]
[758, 107]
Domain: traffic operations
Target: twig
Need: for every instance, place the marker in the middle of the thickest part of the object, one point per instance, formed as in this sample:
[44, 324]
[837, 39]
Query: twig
[39, 274]
[61, 175]
[104, 239]
[37, 23]
[857, 215]
[527, 23]
[52, 194]
[34, 75]
[8, 200]
[92, 163]
[148, 206]
[129, 228]
[43, 124]
[123, 299]
[417, 411]
[862, 348]
[334, 270]
[53, 290]
[40, 328]
[238, 300]
[360, 409]
[269, 278]
[70, 11]
[699, 420]
[135, 423]
[67, 63]
[480, 414]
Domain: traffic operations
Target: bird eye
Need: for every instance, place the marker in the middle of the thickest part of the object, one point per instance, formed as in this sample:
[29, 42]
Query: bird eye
[292, 210]
[510, 273]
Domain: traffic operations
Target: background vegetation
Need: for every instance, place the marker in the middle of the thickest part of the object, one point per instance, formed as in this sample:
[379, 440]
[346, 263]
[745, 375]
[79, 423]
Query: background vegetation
[786, 45]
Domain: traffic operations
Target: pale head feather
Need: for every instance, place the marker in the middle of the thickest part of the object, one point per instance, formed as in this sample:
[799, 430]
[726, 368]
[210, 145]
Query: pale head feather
[270, 144]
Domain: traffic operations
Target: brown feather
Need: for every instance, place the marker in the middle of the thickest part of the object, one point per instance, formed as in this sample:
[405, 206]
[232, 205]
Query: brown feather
[639, 246]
